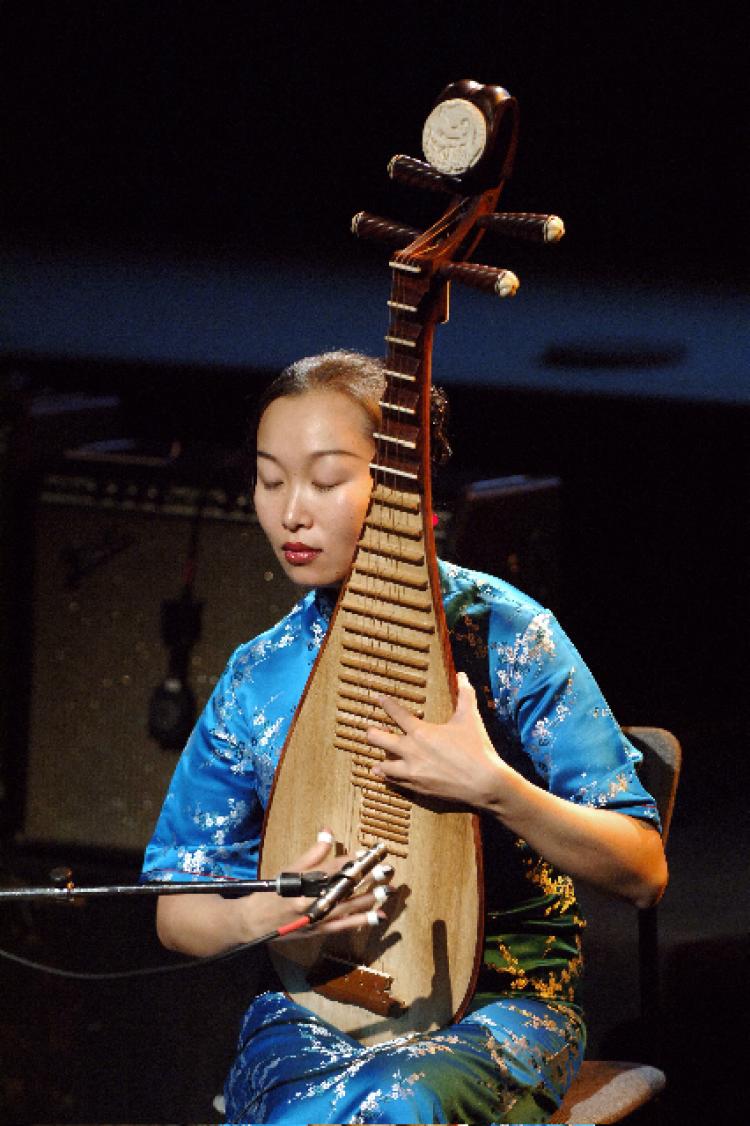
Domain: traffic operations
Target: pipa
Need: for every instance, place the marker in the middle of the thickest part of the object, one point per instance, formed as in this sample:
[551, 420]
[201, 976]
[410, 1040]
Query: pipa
[388, 632]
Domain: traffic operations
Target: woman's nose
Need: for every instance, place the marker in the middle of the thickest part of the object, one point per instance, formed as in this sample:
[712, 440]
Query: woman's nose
[296, 514]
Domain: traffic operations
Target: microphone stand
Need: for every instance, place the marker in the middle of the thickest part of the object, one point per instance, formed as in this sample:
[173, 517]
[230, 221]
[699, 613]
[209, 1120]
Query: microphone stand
[64, 889]
[333, 887]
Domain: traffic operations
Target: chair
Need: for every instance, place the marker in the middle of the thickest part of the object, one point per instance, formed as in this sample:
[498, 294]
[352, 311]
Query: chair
[610, 1090]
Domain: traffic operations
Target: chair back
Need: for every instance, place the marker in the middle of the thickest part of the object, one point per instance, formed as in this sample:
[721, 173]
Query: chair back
[610, 1091]
[660, 770]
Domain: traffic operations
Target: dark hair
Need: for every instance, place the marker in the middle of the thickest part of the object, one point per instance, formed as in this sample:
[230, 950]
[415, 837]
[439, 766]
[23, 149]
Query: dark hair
[360, 377]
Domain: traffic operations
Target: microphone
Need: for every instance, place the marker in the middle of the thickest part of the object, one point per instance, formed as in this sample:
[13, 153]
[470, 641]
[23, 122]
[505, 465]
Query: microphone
[343, 883]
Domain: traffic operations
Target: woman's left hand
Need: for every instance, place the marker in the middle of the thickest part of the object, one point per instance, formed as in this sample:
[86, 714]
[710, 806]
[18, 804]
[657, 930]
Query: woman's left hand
[453, 761]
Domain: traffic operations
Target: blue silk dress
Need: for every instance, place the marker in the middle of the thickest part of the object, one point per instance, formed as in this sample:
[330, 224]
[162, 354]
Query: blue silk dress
[511, 1058]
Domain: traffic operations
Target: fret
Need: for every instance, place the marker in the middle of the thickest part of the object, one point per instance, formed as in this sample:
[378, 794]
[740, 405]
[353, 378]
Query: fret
[398, 522]
[394, 498]
[405, 267]
[407, 443]
[366, 780]
[392, 811]
[397, 820]
[362, 627]
[414, 577]
[366, 697]
[379, 542]
[383, 828]
[400, 341]
[381, 683]
[357, 603]
[402, 306]
[348, 729]
[390, 593]
[401, 375]
[390, 651]
[402, 365]
[369, 840]
[397, 407]
[345, 711]
[408, 474]
[373, 753]
[367, 708]
[374, 790]
[396, 846]
[374, 667]
[386, 797]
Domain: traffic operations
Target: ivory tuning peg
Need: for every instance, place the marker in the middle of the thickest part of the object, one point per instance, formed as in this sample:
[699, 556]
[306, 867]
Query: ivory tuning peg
[523, 224]
[419, 174]
[491, 279]
[368, 226]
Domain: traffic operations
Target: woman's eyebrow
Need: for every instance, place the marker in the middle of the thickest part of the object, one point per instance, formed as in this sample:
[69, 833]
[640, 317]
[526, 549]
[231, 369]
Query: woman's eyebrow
[341, 453]
[317, 453]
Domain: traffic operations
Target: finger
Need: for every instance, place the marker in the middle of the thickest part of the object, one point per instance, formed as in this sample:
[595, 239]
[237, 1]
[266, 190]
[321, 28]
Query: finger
[466, 699]
[406, 721]
[382, 873]
[362, 901]
[331, 925]
[390, 770]
[317, 853]
[370, 919]
[386, 740]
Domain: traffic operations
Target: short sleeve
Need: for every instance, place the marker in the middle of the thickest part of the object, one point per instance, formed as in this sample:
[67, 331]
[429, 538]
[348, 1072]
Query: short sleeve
[547, 697]
[210, 823]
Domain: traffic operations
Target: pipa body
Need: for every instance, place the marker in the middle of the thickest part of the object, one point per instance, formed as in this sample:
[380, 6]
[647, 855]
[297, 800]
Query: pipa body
[384, 636]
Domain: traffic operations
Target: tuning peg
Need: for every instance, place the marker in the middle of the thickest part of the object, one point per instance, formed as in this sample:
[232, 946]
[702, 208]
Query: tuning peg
[419, 174]
[491, 279]
[524, 224]
[365, 225]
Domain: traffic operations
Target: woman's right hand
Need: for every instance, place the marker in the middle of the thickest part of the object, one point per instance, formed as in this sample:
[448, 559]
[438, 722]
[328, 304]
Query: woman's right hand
[202, 925]
[270, 911]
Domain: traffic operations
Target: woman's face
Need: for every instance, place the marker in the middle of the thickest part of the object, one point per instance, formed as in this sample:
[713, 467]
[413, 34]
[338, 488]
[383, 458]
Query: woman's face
[313, 485]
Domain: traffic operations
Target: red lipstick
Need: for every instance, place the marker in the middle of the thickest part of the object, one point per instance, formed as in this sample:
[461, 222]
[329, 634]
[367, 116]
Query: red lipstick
[298, 554]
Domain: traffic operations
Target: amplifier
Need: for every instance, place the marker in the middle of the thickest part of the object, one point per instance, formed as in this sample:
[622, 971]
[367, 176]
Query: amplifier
[510, 527]
[109, 550]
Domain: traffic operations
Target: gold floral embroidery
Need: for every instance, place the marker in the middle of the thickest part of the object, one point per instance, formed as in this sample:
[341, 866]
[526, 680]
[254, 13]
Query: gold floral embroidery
[552, 883]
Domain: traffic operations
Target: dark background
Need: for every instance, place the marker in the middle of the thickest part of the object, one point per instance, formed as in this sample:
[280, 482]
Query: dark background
[227, 126]
[242, 133]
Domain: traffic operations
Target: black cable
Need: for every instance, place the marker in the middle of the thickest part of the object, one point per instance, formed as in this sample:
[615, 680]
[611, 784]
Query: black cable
[114, 975]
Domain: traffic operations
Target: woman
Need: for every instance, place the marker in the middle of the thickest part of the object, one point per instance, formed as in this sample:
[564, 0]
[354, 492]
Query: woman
[532, 747]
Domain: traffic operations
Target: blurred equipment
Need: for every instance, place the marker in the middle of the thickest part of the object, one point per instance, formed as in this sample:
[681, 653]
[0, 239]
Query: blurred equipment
[510, 527]
[110, 544]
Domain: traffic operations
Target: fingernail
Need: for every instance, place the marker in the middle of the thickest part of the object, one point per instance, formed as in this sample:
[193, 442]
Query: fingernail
[325, 836]
[374, 918]
[381, 893]
[382, 872]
